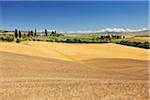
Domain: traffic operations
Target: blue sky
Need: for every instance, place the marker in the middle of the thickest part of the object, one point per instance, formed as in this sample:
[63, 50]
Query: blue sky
[73, 15]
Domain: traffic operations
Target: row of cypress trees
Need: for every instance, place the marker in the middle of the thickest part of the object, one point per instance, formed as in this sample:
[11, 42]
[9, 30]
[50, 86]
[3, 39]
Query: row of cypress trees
[17, 33]
[31, 33]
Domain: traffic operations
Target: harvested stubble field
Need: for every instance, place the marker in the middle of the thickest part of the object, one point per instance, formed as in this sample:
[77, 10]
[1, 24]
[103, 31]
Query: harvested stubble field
[60, 71]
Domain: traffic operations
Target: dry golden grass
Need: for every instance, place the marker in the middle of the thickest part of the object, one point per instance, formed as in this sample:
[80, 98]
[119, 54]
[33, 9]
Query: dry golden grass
[139, 39]
[31, 89]
[58, 71]
[78, 52]
[16, 65]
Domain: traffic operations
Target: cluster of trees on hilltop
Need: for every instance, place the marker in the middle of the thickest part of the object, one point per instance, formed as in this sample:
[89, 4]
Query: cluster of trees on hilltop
[30, 34]
[112, 36]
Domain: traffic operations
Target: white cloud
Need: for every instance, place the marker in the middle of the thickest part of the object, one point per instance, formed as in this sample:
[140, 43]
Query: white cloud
[107, 30]
[43, 30]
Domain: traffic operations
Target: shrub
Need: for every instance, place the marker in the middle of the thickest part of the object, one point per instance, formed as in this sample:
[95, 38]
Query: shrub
[8, 38]
[18, 40]
[75, 40]
[105, 40]
[135, 44]
[68, 41]
[50, 40]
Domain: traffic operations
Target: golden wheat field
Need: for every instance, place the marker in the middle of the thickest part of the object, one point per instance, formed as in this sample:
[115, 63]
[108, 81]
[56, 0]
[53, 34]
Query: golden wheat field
[61, 71]
[138, 39]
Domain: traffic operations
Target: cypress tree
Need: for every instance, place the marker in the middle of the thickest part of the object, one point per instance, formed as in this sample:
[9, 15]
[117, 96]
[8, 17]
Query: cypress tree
[31, 33]
[16, 33]
[35, 33]
[46, 34]
[19, 34]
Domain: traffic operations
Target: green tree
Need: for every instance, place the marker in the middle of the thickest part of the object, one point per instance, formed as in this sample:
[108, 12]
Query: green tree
[68, 41]
[16, 33]
[19, 34]
[46, 34]
[18, 40]
[31, 33]
[53, 32]
[35, 33]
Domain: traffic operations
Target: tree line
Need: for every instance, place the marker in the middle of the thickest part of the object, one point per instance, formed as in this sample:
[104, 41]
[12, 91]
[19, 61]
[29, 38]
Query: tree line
[18, 33]
[135, 44]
